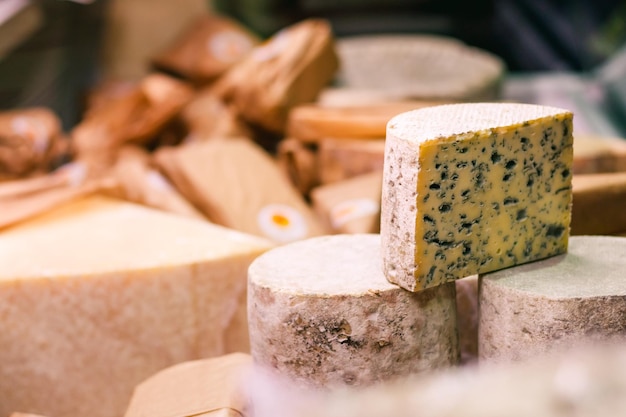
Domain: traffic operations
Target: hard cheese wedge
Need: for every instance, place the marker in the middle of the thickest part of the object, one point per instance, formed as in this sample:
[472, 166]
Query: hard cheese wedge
[471, 188]
[98, 295]
[209, 387]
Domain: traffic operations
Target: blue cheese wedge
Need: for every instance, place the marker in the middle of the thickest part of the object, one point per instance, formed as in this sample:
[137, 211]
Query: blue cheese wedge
[473, 188]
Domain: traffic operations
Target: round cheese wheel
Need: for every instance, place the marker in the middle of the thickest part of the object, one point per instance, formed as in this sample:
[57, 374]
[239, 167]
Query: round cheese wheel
[556, 302]
[322, 313]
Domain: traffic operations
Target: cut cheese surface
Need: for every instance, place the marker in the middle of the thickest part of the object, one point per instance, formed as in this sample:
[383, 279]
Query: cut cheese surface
[100, 294]
[322, 314]
[112, 236]
[472, 188]
[555, 303]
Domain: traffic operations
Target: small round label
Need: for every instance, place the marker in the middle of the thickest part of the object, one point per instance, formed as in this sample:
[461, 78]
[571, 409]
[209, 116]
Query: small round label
[353, 209]
[229, 46]
[282, 223]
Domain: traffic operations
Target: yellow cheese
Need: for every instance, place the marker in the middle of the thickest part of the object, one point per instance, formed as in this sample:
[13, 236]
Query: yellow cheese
[98, 295]
[472, 188]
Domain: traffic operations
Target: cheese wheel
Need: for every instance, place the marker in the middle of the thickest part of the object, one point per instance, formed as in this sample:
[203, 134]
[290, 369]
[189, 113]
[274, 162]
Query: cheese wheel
[423, 67]
[554, 303]
[312, 123]
[472, 188]
[322, 313]
[98, 295]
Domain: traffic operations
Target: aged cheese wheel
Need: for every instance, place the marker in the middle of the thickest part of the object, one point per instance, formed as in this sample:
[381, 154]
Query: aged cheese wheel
[421, 67]
[556, 302]
[322, 313]
[472, 188]
[98, 295]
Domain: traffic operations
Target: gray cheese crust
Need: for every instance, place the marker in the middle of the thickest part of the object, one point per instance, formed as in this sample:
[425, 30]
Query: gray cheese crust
[554, 303]
[322, 313]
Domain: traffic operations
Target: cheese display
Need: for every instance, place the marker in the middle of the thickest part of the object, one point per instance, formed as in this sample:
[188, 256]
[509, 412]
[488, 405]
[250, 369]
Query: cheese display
[351, 206]
[555, 303]
[472, 188]
[98, 295]
[322, 314]
[598, 204]
[208, 387]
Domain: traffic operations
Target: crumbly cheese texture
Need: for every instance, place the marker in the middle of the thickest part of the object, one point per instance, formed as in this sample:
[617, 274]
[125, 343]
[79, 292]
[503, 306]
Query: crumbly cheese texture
[554, 303]
[322, 314]
[100, 294]
[472, 188]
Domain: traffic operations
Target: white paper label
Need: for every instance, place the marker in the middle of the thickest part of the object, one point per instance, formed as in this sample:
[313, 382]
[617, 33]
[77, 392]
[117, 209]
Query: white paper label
[282, 223]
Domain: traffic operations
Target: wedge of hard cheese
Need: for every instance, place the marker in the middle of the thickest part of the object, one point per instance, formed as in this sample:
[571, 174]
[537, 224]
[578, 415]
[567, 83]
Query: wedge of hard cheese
[555, 303]
[322, 314]
[98, 295]
[472, 188]
[208, 387]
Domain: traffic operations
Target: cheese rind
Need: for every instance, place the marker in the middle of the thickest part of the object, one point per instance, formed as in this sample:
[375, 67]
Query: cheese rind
[98, 295]
[472, 188]
[322, 313]
[554, 303]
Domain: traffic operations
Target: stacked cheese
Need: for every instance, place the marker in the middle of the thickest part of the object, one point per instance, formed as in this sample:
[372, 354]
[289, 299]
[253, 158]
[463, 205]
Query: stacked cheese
[100, 294]
[467, 189]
